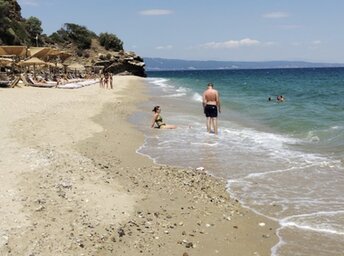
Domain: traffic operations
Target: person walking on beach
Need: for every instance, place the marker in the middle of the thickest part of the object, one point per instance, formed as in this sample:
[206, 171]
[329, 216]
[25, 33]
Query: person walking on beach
[158, 122]
[211, 105]
[111, 82]
[106, 81]
[101, 81]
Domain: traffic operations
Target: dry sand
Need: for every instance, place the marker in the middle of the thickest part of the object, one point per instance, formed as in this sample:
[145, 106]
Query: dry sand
[72, 184]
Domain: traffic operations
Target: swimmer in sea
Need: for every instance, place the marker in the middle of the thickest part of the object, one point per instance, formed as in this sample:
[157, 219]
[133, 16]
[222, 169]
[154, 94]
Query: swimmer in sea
[158, 122]
[280, 98]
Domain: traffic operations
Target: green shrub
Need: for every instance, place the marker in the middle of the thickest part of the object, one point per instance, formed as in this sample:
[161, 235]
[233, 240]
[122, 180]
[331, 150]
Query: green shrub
[34, 29]
[110, 42]
[77, 34]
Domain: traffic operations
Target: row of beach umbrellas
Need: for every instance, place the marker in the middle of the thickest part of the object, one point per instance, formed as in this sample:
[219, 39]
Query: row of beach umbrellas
[39, 52]
[34, 61]
[38, 62]
[36, 54]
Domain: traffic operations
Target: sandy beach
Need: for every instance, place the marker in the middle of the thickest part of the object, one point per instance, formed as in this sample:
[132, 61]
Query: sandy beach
[72, 183]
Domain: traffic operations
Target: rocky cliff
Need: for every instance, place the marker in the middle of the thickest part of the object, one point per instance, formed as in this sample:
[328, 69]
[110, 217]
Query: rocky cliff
[123, 63]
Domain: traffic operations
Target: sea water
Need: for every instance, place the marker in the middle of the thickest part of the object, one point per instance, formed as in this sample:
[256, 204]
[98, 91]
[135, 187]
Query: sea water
[282, 160]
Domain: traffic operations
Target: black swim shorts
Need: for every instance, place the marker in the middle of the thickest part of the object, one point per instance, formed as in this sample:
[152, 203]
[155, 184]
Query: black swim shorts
[210, 110]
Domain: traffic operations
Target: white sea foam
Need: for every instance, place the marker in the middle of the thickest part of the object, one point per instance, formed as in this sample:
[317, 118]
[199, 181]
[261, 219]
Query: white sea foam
[166, 142]
[197, 97]
[259, 174]
[163, 84]
[252, 135]
[337, 127]
[138, 151]
[205, 144]
[277, 147]
[182, 89]
[174, 95]
[158, 81]
[322, 222]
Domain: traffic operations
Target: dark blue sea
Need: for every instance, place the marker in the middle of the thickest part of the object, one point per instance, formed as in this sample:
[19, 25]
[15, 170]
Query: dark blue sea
[282, 160]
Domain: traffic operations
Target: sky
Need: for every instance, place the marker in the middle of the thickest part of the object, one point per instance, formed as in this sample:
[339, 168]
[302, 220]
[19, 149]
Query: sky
[224, 30]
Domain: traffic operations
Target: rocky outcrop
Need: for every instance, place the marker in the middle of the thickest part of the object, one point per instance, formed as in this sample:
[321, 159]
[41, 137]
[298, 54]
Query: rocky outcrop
[122, 63]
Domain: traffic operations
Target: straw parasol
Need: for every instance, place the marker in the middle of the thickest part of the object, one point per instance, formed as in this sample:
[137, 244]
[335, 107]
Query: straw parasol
[54, 52]
[32, 62]
[13, 50]
[76, 66]
[64, 55]
[59, 65]
[39, 52]
[55, 65]
[5, 61]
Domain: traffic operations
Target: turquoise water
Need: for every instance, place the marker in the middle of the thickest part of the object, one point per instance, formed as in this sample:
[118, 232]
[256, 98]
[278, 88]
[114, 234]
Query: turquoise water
[282, 160]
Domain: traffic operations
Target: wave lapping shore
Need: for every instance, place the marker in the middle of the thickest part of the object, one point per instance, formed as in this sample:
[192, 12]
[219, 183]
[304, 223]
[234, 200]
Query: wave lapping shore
[283, 160]
[73, 184]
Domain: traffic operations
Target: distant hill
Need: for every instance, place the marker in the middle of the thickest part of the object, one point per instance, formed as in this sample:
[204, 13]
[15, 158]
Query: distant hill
[156, 64]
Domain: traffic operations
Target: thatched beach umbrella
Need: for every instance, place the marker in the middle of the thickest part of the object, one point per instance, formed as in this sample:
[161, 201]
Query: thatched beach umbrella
[32, 62]
[76, 66]
[39, 52]
[19, 50]
[5, 61]
[55, 65]
[64, 55]
[54, 52]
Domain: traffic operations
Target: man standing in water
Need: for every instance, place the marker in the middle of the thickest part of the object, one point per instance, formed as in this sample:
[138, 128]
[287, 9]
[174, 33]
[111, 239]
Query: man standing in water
[211, 104]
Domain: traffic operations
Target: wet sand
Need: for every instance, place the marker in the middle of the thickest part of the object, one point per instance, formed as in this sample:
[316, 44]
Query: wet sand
[72, 184]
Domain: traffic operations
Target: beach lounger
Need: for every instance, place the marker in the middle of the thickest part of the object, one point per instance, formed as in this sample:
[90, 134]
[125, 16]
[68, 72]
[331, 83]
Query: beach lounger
[30, 82]
[4, 83]
[14, 82]
[79, 84]
[69, 86]
[4, 80]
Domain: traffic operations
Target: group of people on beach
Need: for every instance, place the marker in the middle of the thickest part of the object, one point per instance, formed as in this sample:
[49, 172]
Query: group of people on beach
[106, 81]
[211, 107]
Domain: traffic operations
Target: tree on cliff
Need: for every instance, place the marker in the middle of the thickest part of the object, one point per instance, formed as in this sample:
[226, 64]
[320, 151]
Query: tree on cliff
[14, 29]
[73, 33]
[5, 22]
[34, 28]
[11, 29]
[110, 42]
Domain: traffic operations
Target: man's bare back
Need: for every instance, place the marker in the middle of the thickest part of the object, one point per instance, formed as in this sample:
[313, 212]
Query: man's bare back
[211, 96]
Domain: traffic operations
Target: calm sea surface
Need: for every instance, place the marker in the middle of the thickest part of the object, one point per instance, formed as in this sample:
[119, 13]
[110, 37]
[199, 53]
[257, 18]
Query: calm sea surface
[282, 160]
